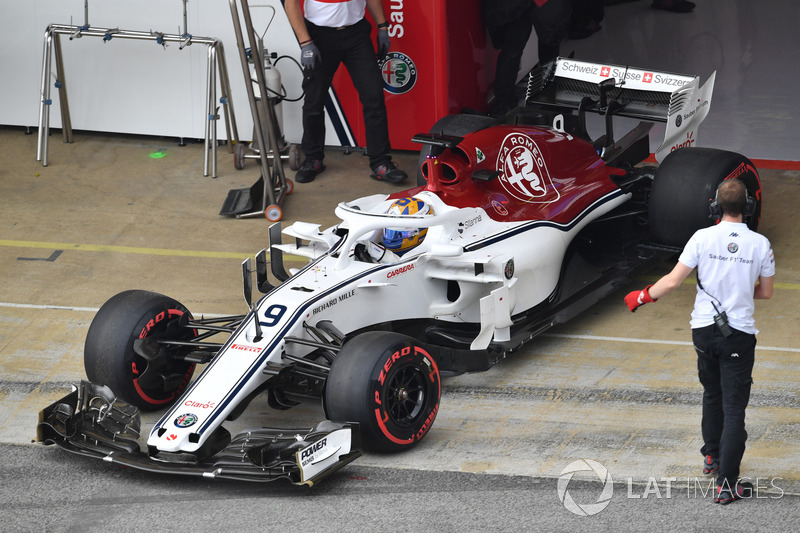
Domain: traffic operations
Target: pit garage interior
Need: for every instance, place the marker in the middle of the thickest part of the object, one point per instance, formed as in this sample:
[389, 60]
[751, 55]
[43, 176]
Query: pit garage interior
[115, 210]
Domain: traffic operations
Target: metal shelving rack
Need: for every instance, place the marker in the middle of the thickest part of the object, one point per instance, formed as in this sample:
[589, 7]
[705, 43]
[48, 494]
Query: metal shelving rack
[215, 63]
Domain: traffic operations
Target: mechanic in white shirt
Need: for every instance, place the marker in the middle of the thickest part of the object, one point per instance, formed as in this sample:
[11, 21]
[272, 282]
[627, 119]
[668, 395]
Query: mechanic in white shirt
[331, 32]
[734, 266]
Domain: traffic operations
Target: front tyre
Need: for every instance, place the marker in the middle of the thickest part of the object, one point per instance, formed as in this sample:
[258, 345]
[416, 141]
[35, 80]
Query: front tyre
[389, 384]
[150, 382]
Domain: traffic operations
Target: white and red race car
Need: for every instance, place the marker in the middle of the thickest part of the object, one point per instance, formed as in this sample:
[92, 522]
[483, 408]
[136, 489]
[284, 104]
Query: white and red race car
[517, 225]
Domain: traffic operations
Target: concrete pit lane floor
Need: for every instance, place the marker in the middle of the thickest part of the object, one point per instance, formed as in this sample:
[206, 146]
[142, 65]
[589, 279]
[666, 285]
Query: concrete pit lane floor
[610, 387]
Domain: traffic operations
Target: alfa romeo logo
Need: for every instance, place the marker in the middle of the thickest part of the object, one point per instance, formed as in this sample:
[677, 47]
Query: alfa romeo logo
[399, 73]
[523, 171]
[509, 270]
[184, 421]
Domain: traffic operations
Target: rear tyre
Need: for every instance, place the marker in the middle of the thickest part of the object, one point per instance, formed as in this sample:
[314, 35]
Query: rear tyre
[686, 182]
[456, 125]
[389, 384]
[109, 357]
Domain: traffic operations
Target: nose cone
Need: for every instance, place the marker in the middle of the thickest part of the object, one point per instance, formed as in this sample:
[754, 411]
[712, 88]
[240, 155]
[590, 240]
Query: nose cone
[177, 434]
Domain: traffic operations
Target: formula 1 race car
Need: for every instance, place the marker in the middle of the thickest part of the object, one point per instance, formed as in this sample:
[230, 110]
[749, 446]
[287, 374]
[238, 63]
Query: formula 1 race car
[518, 226]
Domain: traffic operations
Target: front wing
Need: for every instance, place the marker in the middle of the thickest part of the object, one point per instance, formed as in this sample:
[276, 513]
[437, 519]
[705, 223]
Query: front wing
[90, 421]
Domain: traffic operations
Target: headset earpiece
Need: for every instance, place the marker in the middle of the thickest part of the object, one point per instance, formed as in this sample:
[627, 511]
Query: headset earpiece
[715, 211]
[749, 206]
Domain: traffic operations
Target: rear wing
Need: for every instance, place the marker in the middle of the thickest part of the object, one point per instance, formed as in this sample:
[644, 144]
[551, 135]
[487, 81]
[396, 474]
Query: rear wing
[676, 99]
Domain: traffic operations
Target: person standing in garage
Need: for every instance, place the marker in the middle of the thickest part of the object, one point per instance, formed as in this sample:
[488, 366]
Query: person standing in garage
[509, 23]
[332, 32]
[734, 266]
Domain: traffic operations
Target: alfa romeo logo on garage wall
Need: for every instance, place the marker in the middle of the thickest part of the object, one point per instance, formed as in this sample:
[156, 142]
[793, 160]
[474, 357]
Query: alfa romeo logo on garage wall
[399, 73]
[523, 171]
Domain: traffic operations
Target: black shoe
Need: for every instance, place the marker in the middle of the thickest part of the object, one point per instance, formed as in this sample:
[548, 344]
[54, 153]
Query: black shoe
[309, 170]
[710, 465]
[388, 172]
[676, 6]
[726, 495]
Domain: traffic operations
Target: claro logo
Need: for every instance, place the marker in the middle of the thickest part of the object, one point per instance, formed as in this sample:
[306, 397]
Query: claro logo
[686, 143]
[199, 405]
[398, 271]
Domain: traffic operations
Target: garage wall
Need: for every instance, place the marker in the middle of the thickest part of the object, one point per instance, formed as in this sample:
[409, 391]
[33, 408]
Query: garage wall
[131, 86]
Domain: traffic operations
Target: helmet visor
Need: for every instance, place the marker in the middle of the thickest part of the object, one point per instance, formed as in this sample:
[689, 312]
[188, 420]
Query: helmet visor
[393, 238]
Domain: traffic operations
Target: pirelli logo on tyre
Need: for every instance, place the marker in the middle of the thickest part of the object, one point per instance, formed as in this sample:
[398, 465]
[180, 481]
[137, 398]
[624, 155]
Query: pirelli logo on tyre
[399, 73]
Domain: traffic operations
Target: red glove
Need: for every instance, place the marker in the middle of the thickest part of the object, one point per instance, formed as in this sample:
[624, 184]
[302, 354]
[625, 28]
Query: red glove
[636, 298]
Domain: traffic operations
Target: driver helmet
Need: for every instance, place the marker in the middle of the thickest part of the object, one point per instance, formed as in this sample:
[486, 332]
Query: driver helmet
[402, 240]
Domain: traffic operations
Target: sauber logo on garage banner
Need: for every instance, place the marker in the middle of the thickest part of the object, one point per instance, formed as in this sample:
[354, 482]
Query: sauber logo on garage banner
[524, 174]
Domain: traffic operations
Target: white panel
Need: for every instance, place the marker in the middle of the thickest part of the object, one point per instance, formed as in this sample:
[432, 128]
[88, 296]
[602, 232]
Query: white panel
[132, 86]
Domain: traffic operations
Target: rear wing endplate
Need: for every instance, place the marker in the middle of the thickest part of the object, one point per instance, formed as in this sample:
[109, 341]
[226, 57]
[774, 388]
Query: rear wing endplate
[676, 99]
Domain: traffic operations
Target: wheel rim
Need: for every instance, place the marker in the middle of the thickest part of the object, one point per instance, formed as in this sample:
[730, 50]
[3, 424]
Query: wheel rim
[155, 391]
[273, 213]
[406, 395]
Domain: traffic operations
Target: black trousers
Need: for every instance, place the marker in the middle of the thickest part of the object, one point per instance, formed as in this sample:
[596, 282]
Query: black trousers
[511, 43]
[353, 47]
[551, 22]
[725, 367]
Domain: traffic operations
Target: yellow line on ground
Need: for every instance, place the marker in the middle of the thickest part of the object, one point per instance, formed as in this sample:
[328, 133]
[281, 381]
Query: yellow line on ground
[121, 249]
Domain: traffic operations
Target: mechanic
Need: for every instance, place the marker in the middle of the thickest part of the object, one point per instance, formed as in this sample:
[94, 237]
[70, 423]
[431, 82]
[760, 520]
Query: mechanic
[509, 24]
[330, 33]
[734, 266]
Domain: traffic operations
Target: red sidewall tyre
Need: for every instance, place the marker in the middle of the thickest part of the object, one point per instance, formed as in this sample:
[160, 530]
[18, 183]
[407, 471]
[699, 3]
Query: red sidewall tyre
[109, 357]
[388, 383]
